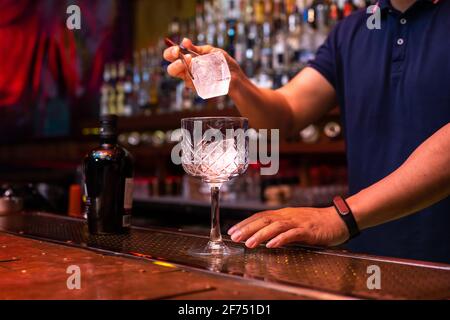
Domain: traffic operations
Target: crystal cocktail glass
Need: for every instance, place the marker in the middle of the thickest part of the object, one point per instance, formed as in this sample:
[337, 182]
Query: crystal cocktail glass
[214, 149]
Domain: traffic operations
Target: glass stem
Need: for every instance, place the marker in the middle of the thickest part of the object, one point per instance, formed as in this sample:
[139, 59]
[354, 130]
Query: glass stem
[215, 236]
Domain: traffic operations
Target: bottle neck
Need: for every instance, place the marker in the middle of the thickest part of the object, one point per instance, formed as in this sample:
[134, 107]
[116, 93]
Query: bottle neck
[108, 140]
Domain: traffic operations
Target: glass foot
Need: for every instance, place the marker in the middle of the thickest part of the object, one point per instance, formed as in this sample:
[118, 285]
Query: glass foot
[215, 248]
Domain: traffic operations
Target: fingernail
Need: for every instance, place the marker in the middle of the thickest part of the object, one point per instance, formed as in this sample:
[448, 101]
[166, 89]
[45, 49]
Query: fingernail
[250, 243]
[236, 236]
[175, 51]
[271, 244]
[231, 230]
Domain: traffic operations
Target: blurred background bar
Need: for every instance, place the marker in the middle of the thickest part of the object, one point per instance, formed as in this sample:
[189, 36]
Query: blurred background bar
[55, 83]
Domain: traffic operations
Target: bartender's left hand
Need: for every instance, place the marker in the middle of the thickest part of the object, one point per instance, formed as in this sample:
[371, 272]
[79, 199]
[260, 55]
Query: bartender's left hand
[309, 226]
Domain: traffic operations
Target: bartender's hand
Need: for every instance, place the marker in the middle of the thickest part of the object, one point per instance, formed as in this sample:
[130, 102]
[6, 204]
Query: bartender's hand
[178, 70]
[309, 226]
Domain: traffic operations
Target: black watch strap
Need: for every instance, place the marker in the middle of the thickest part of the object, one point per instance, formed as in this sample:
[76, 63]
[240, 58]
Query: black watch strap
[346, 214]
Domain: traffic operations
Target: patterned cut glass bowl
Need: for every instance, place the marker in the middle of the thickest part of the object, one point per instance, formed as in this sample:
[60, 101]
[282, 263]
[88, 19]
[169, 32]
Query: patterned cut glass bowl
[214, 149]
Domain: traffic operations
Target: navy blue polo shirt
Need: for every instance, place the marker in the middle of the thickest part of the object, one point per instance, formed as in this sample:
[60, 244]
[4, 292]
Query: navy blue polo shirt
[393, 86]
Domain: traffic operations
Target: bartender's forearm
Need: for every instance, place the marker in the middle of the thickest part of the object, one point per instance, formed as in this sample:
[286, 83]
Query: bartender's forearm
[304, 100]
[421, 181]
[266, 109]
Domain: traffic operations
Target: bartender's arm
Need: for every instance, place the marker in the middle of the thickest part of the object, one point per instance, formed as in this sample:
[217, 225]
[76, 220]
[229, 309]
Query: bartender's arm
[304, 100]
[422, 180]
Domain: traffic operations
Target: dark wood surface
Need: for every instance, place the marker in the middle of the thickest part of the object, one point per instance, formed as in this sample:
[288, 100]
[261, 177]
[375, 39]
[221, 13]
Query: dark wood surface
[31, 269]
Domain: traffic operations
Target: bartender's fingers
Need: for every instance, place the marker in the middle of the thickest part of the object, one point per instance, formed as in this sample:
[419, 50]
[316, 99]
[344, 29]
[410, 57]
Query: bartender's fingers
[292, 235]
[177, 68]
[268, 232]
[201, 50]
[254, 217]
[171, 54]
[248, 230]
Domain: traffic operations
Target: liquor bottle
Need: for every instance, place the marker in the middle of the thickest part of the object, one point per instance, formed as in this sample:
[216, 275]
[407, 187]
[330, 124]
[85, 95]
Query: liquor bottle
[200, 25]
[279, 59]
[136, 82]
[263, 77]
[233, 16]
[348, 8]
[307, 38]
[128, 90]
[241, 43]
[120, 89]
[112, 98]
[188, 98]
[322, 13]
[211, 34]
[294, 36]
[184, 98]
[154, 71]
[174, 30]
[143, 96]
[233, 12]
[247, 11]
[108, 175]
[259, 12]
[221, 34]
[333, 15]
[206, 25]
[105, 91]
[253, 52]
[192, 32]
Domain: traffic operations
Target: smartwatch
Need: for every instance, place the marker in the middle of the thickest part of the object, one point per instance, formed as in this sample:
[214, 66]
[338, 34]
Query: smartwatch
[346, 215]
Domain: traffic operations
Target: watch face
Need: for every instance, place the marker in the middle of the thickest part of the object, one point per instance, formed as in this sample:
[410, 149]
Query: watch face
[341, 206]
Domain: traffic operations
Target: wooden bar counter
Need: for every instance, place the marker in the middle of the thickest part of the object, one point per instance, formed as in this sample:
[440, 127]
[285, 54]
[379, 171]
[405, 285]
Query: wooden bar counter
[32, 269]
[39, 251]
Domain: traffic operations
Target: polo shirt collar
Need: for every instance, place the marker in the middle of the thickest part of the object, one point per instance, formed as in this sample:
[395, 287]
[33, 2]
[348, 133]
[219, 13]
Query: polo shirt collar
[386, 4]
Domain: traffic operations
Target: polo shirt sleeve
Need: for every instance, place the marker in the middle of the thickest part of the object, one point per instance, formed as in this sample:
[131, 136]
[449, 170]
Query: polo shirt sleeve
[325, 61]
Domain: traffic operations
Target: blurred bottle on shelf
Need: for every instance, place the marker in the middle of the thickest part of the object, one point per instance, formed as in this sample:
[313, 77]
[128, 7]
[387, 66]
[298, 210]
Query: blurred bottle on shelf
[112, 99]
[120, 89]
[134, 139]
[145, 87]
[105, 91]
[310, 134]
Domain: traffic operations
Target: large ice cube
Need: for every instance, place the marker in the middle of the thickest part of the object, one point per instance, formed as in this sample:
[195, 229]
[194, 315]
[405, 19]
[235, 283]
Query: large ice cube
[220, 158]
[211, 75]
